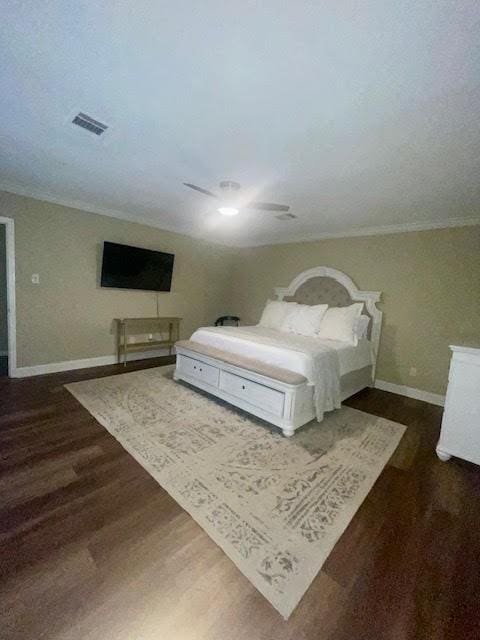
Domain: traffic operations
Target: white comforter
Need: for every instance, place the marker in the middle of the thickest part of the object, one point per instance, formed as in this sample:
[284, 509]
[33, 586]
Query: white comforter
[322, 362]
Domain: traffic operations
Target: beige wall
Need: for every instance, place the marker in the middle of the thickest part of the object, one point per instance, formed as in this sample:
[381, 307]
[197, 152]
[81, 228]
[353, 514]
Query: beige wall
[68, 316]
[3, 291]
[429, 279]
[431, 292]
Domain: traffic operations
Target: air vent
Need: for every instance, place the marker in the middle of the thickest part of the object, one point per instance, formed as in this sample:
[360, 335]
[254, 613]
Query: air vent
[285, 216]
[88, 123]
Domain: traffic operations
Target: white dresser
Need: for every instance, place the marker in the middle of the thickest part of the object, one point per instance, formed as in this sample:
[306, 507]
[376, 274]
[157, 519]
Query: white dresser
[460, 434]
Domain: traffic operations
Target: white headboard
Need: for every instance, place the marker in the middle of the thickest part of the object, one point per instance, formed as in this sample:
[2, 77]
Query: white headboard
[333, 287]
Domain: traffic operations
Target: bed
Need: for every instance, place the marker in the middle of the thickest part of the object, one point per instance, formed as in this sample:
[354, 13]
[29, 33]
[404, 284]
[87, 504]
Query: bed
[287, 380]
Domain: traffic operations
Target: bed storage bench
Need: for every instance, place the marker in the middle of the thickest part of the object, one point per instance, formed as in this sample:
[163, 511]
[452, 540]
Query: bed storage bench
[277, 395]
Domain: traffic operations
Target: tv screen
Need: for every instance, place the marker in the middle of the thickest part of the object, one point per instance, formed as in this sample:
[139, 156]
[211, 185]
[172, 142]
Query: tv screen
[125, 267]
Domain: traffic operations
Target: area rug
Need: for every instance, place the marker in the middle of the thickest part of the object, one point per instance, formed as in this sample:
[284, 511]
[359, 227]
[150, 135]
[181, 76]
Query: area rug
[275, 505]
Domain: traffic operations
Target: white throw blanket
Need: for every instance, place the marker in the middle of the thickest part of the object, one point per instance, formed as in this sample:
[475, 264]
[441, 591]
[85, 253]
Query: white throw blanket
[323, 371]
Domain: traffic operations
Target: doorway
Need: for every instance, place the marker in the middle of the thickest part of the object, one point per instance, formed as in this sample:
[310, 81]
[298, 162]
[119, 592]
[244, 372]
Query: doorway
[8, 354]
[3, 303]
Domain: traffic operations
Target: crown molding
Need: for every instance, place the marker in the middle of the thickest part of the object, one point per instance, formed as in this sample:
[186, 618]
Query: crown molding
[85, 207]
[407, 227]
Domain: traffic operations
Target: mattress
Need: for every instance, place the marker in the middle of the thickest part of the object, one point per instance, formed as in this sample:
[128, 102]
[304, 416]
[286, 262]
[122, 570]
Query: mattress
[281, 349]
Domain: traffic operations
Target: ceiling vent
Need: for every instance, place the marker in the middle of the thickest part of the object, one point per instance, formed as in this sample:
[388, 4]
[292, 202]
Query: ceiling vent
[286, 216]
[88, 123]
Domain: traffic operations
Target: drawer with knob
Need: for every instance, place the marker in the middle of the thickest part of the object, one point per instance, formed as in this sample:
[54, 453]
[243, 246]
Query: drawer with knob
[198, 369]
[254, 393]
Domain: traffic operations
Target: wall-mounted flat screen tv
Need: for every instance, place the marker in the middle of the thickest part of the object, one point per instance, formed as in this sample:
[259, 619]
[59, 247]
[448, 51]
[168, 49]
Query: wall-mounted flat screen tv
[125, 267]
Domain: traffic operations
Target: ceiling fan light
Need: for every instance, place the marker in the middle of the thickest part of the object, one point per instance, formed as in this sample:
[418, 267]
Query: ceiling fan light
[228, 211]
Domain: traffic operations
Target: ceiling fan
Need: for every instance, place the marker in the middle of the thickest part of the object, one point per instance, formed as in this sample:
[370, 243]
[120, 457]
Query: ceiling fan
[229, 206]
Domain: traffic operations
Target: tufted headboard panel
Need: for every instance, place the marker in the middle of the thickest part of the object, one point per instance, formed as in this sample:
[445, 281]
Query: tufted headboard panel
[321, 290]
[325, 290]
[324, 285]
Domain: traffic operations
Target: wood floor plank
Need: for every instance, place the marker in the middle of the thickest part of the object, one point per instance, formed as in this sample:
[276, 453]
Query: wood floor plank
[93, 548]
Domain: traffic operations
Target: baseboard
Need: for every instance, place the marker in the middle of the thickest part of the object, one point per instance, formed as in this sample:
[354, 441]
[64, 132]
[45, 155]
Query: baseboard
[411, 392]
[71, 365]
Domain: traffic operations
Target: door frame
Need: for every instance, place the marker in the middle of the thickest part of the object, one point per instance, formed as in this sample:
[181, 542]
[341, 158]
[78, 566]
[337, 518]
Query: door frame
[11, 304]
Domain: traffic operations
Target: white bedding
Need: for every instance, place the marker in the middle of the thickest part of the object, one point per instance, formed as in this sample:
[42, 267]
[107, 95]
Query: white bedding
[322, 362]
[242, 341]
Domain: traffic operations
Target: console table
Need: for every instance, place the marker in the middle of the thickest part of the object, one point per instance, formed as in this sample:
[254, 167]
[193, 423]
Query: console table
[130, 327]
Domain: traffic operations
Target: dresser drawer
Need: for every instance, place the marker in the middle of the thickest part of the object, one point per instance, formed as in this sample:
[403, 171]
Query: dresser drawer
[254, 393]
[460, 433]
[198, 369]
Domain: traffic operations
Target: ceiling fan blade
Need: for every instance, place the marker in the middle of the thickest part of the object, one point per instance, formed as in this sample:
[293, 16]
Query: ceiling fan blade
[268, 206]
[205, 191]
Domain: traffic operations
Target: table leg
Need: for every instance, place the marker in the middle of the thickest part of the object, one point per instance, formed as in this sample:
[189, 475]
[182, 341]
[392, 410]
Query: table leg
[119, 343]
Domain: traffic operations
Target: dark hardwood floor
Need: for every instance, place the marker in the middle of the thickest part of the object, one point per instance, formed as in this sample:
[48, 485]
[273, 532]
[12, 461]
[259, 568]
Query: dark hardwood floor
[93, 549]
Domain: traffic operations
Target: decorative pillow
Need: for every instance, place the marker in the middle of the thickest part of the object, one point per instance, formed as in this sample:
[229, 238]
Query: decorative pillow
[361, 326]
[304, 319]
[274, 314]
[338, 323]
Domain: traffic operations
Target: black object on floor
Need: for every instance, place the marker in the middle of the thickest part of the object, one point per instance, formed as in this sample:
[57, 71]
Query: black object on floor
[226, 320]
[3, 365]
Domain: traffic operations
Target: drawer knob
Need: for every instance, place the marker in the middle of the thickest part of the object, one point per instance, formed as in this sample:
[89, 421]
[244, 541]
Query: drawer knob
[201, 369]
[243, 386]
[194, 366]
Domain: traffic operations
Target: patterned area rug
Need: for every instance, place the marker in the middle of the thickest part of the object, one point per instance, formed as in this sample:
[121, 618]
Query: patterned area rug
[275, 505]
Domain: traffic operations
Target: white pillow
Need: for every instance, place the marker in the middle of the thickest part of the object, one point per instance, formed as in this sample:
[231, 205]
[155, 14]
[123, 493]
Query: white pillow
[338, 323]
[361, 326]
[274, 314]
[304, 319]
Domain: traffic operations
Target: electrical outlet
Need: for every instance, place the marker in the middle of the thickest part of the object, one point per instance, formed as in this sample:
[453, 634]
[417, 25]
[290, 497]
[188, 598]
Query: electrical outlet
[35, 278]
[413, 371]
[150, 337]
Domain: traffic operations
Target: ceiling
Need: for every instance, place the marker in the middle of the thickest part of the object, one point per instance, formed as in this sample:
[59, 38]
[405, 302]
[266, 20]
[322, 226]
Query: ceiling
[362, 116]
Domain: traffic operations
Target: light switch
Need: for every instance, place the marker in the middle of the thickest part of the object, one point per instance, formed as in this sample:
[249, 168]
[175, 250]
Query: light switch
[35, 278]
